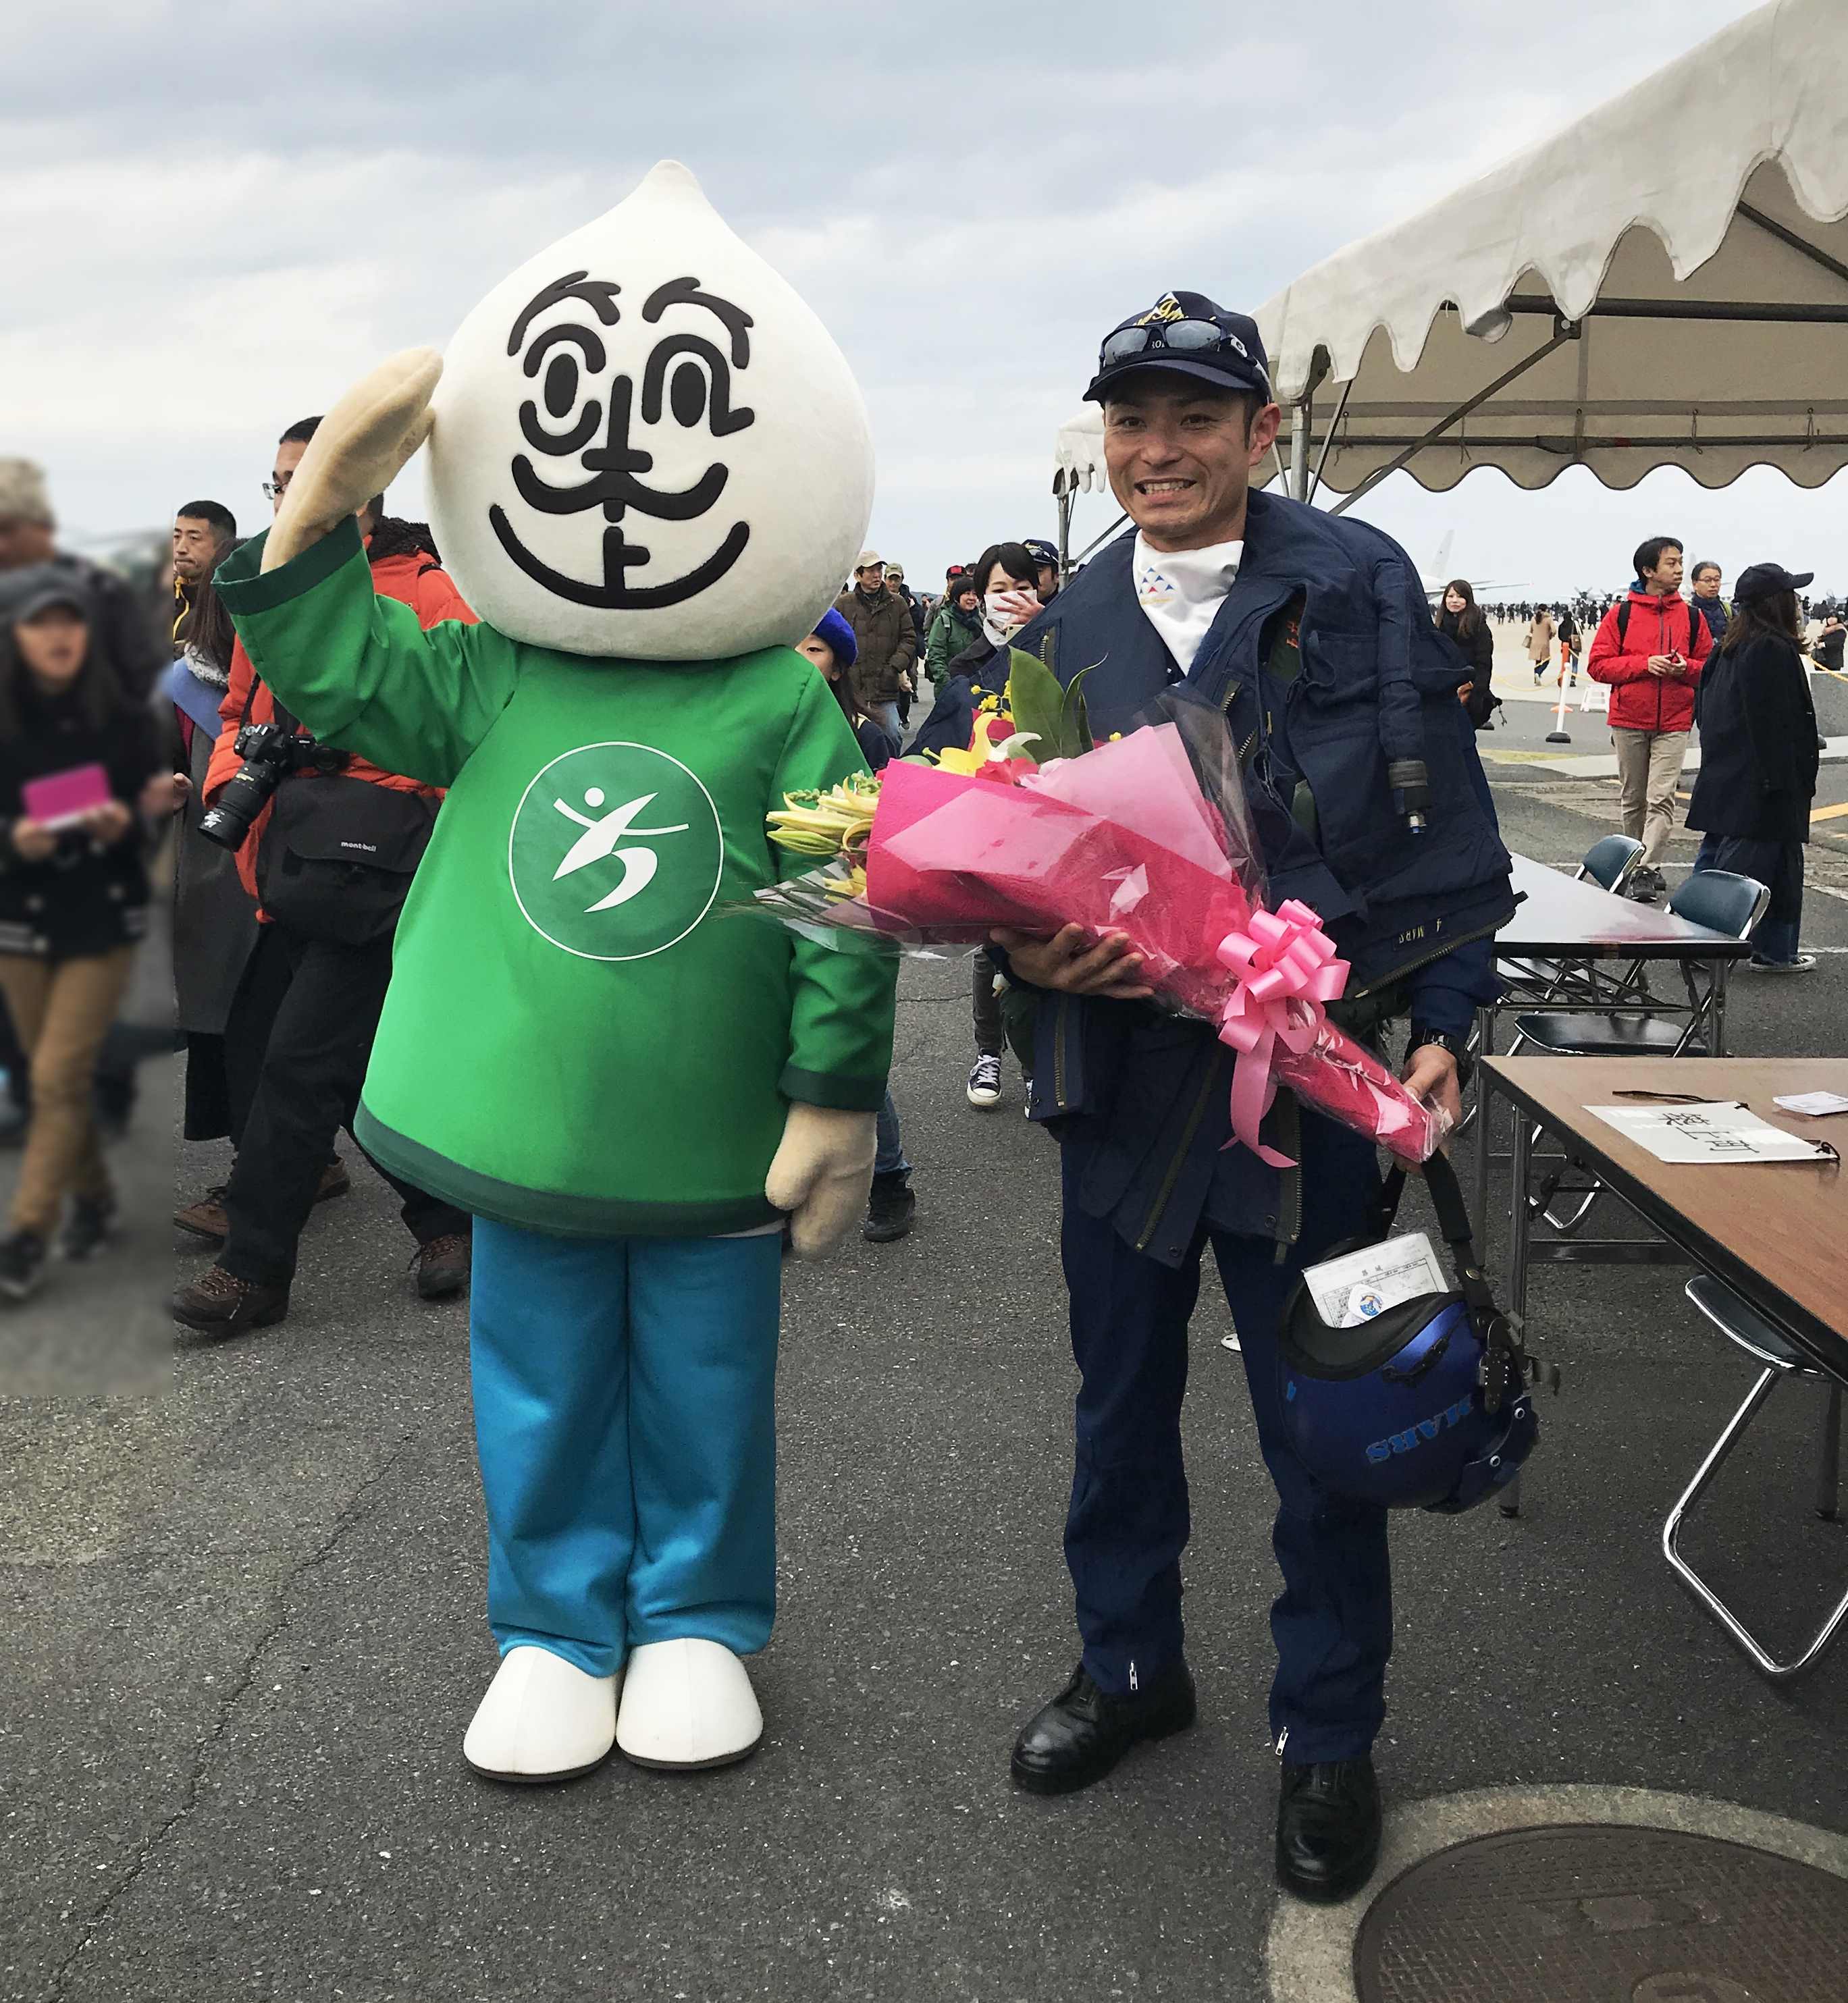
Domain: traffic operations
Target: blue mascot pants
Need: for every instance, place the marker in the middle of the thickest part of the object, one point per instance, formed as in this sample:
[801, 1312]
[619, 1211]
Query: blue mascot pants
[625, 1416]
[1127, 1521]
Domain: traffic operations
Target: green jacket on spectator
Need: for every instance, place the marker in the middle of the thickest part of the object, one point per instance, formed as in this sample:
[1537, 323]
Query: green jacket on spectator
[951, 631]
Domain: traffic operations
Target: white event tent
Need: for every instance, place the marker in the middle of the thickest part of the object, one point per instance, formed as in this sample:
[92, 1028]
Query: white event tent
[1663, 283]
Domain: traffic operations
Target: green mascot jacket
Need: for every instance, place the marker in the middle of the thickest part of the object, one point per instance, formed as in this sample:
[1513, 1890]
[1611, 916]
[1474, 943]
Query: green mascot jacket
[580, 1036]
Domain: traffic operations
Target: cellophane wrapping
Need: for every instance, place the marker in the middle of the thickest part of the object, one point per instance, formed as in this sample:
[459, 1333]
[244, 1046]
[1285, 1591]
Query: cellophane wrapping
[1147, 835]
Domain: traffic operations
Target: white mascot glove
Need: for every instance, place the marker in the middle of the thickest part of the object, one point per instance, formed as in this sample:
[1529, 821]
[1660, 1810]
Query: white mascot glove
[361, 446]
[822, 1175]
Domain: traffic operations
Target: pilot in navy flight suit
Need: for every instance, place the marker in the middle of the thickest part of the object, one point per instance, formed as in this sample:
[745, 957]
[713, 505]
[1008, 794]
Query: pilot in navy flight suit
[1312, 634]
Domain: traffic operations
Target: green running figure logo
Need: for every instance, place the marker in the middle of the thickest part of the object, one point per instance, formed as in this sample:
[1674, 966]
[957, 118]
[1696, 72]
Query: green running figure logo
[615, 852]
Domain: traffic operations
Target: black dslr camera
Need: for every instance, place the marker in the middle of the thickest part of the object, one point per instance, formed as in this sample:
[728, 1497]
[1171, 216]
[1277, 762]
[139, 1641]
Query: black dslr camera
[270, 752]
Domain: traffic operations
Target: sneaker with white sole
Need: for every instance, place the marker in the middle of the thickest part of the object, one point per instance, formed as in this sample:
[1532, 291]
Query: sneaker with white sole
[985, 1083]
[22, 1265]
[1802, 964]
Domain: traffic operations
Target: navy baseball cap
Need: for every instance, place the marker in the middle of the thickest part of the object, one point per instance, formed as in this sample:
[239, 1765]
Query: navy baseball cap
[1765, 580]
[1190, 335]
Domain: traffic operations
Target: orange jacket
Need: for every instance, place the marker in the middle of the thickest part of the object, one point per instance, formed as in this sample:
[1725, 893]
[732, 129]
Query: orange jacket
[414, 580]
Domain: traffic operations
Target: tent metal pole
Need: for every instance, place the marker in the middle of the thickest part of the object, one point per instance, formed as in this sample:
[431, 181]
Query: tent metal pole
[1567, 332]
[1788, 315]
[1321, 458]
[1302, 424]
[1097, 541]
[1770, 224]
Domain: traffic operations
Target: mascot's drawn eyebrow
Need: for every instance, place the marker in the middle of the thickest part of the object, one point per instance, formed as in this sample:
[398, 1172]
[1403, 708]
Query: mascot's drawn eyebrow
[686, 292]
[598, 294]
[593, 348]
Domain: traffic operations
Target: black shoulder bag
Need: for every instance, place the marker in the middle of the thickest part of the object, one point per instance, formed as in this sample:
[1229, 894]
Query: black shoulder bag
[337, 854]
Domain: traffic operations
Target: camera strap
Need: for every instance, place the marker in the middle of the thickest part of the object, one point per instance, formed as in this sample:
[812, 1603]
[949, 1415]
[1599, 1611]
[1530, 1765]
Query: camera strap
[288, 721]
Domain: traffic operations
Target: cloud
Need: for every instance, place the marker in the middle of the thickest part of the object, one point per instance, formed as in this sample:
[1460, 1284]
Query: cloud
[224, 216]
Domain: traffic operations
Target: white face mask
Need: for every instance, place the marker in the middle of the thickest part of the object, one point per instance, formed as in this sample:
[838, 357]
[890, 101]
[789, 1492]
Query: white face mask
[1003, 615]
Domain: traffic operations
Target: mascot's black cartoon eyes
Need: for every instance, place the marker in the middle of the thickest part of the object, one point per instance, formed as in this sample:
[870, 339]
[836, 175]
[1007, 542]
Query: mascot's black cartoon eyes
[686, 377]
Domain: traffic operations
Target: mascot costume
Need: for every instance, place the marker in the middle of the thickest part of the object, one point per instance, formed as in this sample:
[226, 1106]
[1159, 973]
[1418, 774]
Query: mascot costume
[649, 470]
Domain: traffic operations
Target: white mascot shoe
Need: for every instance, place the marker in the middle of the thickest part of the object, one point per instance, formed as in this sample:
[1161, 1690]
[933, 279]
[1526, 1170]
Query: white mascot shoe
[543, 1719]
[687, 1703]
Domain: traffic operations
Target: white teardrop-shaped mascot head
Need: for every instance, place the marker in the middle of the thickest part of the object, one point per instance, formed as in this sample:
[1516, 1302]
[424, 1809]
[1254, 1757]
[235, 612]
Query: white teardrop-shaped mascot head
[646, 445]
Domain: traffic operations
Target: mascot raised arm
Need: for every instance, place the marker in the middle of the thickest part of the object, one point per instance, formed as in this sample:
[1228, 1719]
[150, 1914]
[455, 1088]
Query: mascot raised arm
[649, 471]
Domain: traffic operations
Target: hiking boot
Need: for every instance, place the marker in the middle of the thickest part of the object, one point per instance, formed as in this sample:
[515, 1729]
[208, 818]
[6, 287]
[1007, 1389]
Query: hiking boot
[222, 1304]
[890, 1209]
[985, 1083]
[206, 1218]
[22, 1265]
[442, 1266]
[91, 1225]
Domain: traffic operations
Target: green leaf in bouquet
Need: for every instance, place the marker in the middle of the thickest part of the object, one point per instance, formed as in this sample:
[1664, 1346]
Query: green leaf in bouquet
[1074, 720]
[1034, 701]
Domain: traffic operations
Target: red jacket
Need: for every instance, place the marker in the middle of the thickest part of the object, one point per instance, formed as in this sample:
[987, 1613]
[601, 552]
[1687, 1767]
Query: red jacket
[414, 580]
[1640, 701]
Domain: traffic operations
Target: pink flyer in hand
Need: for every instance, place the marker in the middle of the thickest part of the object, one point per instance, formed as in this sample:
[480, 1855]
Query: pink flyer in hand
[61, 798]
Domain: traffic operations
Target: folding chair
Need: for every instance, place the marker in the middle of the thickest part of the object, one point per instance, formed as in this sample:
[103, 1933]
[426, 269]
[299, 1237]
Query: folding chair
[1741, 1324]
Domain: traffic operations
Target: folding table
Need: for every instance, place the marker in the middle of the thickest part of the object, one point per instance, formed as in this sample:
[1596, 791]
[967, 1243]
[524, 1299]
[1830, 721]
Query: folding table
[1773, 1235]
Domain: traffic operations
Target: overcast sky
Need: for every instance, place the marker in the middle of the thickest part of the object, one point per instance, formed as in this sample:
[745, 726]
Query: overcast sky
[216, 216]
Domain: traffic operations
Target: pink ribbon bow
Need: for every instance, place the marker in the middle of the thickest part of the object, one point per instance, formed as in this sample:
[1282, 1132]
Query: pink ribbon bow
[1287, 972]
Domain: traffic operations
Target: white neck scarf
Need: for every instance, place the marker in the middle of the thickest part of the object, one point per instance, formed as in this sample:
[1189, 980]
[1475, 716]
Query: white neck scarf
[1182, 590]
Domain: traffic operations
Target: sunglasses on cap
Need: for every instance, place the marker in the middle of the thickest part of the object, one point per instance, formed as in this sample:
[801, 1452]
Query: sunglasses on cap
[1179, 337]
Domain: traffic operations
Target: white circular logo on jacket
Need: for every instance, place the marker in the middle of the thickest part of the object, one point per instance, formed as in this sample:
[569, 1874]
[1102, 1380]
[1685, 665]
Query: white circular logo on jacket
[615, 852]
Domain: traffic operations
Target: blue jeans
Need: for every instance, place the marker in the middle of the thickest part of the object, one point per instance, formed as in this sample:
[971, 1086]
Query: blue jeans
[1779, 866]
[1129, 1522]
[886, 715]
[624, 1417]
[890, 1158]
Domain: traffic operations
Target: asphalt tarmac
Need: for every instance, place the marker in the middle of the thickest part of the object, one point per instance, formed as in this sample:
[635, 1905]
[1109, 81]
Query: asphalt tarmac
[245, 1627]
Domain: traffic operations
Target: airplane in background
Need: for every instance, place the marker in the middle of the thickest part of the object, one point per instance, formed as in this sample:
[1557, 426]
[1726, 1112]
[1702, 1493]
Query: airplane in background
[1483, 587]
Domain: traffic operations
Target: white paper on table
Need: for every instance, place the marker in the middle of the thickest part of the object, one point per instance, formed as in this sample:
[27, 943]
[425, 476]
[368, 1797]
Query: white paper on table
[1358, 1286]
[1717, 1130]
[1812, 1105]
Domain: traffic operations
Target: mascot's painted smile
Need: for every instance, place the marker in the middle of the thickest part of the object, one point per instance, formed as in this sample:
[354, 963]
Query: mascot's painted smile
[575, 360]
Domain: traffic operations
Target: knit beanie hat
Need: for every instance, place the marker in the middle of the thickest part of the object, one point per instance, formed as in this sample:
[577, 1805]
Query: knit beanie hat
[23, 495]
[832, 628]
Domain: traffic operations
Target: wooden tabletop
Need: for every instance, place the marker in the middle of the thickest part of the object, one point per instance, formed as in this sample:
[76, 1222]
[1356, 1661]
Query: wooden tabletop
[1776, 1233]
[1562, 919]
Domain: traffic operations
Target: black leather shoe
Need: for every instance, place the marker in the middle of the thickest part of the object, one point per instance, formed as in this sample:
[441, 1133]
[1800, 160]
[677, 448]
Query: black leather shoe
[1079, 1736]
[1327, 1830]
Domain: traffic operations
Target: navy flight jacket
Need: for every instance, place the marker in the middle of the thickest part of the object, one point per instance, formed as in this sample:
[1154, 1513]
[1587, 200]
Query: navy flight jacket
[1145, 1097]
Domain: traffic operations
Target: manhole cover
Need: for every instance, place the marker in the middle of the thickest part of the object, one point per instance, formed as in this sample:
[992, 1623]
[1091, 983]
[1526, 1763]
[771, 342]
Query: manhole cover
[1605, 1915]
